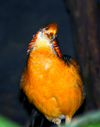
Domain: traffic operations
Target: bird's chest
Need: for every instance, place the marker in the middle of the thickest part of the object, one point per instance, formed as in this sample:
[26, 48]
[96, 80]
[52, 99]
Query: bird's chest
[46, 73]
[39, 63]
[49, 81]
[42, 79]
[42, 67]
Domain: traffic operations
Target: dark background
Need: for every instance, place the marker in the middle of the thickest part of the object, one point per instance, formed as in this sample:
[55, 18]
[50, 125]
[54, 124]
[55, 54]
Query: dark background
[19, 20]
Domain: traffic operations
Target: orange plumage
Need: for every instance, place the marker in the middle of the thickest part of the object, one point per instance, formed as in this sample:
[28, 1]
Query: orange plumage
[51, 80]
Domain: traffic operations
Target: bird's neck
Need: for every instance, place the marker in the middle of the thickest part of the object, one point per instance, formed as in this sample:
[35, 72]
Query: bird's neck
[43, 45]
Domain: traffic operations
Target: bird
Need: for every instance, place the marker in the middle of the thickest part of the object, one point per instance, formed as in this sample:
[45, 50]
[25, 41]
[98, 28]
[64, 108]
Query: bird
[51, 80]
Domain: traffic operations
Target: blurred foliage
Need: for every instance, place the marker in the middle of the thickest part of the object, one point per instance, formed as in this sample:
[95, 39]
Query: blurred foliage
[90, 119]
[4, 122]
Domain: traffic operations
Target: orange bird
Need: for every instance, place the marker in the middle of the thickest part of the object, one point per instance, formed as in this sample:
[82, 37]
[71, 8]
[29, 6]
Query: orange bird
[51, 80]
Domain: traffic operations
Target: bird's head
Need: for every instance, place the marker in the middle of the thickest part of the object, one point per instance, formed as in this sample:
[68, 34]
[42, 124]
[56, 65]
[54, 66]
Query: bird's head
[45, 37]
[51, 30]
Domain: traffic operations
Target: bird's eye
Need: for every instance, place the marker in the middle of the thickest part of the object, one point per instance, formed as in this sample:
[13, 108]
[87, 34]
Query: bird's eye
[46, 28]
